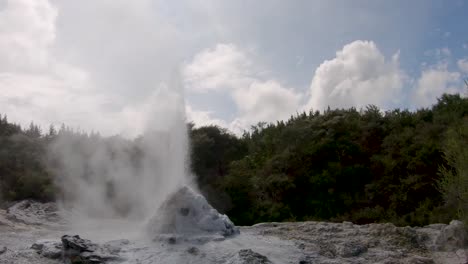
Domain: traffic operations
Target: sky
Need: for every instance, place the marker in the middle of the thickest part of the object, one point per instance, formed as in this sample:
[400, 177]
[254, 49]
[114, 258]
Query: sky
[97, 65]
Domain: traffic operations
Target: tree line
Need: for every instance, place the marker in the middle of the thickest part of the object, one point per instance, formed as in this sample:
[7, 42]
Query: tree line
[360, 165]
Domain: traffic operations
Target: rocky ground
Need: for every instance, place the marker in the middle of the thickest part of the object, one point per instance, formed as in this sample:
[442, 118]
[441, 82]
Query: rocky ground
[35, 233]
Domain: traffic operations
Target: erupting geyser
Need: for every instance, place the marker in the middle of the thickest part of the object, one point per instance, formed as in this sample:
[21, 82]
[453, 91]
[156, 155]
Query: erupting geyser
[107, 179]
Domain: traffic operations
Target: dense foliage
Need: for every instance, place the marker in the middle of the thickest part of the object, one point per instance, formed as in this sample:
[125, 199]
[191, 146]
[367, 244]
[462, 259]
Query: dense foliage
[345, 164]
[364, 166]
[23, 173]
[453, 183]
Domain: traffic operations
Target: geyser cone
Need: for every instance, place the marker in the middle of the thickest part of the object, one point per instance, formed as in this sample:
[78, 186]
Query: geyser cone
[186, 212]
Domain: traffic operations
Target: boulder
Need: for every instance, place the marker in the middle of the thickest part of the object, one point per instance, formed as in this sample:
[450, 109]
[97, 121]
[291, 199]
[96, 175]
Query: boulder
[48, 249]
[187, 212]
[77, 244]
[78, 250]
[74, 249]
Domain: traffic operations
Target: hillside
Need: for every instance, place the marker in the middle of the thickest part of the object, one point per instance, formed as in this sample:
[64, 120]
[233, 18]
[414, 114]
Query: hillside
[364, 166]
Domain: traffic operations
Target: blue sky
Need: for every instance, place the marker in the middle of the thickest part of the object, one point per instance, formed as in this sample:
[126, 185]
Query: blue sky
[97, 65]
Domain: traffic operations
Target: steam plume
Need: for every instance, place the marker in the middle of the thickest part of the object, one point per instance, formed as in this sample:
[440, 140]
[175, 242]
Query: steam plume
[123, 178]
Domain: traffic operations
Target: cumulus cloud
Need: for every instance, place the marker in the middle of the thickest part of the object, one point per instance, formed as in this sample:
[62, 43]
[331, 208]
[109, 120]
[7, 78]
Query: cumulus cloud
[35, 85]
[223, 67]
[31, 81]
[359, 75]
[435, 81]
[228, 69]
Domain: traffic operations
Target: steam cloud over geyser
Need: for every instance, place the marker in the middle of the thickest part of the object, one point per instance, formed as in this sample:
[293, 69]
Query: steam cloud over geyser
[127, 179]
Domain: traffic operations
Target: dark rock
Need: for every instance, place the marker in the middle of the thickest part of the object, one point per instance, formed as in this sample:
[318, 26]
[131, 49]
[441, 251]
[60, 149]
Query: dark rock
[77, 244]
[172, 240]
[3, 250]
[193, 250]
[307, 260]
[78, 250]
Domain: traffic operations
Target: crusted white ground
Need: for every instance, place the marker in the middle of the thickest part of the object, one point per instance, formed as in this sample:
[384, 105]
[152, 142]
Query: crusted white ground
[302, 242]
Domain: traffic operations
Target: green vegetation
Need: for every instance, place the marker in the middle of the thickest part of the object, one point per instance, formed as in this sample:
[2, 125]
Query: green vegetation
[362, 166]
[400, 166]
[23, 173]
[453, 183]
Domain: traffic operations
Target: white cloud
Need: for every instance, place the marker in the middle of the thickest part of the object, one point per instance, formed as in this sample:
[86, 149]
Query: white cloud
[31, 82]
[463, 65]
[27, 29]
[34, 85]
[435, 81]
[221, 68]
[359, 75]
[228, 69]
[266, 101]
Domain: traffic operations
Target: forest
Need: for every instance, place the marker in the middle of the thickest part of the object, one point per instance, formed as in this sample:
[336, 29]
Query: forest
[360, 165]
